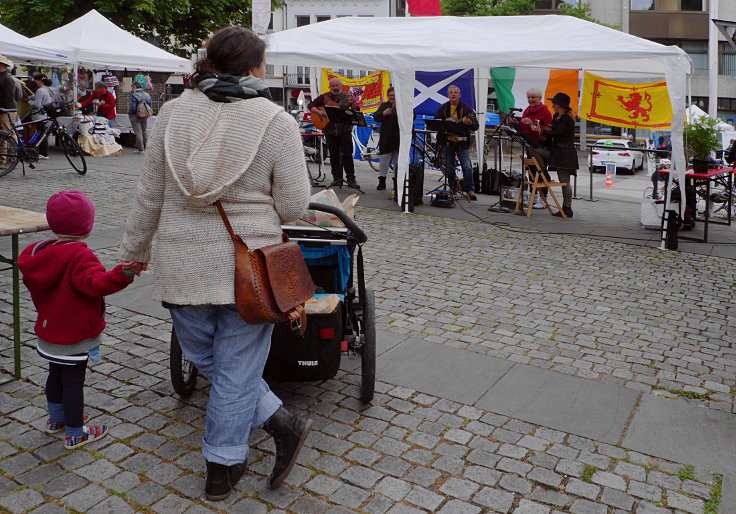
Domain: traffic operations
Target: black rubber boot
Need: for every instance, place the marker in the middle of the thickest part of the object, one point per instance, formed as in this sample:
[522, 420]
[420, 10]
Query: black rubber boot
[221, 479]
[381, 184]
[289, 432]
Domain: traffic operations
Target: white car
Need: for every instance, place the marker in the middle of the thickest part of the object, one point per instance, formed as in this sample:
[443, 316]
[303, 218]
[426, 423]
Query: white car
[618, 151]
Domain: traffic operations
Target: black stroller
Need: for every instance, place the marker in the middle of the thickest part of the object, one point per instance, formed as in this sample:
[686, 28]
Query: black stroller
[330, 253]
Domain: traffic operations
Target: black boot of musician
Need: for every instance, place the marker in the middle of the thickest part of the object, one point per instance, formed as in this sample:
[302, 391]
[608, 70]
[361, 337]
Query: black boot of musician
[289, 432]
[221, 479]
[381, 184]
[353, 183]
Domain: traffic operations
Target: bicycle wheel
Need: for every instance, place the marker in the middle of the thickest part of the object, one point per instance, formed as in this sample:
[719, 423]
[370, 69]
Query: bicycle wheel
[183, 372]
[9, 155]
[373, 164]
[73, 153]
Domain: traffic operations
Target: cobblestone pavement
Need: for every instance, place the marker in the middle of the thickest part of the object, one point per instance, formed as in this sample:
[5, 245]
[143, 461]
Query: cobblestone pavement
[651, 320]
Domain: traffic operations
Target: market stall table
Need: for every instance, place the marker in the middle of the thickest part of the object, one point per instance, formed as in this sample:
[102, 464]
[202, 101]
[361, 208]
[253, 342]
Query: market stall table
[122, 122]
[708, 178]
[12, 223]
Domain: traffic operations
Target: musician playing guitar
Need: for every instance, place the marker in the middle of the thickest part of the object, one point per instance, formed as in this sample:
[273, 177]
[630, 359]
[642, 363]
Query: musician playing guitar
[339, 136]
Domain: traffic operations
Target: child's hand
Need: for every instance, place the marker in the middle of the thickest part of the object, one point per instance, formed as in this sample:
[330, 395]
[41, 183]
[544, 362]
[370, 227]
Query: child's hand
[135, 267]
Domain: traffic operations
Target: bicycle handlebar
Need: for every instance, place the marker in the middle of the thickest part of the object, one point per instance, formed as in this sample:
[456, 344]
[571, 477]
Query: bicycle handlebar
[360, 236]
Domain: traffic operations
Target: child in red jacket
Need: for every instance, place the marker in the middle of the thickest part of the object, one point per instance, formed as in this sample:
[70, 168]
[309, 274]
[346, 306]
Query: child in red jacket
[68, 284]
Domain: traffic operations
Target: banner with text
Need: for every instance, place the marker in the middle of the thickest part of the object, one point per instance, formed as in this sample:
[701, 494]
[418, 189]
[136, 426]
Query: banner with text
[369, 91]
[643, 106]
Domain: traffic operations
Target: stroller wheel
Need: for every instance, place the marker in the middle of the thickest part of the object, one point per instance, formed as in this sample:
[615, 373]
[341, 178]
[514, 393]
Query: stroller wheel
[368, 348]
[183, 372]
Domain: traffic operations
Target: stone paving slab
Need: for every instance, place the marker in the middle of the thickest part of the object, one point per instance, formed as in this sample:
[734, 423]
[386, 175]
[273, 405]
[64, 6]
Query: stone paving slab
[598, 410]
[436, 369]
[683, 432]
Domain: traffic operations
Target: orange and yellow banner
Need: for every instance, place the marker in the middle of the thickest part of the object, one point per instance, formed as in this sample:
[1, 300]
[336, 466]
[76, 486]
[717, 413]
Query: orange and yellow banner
[369, 91]
[645, 106]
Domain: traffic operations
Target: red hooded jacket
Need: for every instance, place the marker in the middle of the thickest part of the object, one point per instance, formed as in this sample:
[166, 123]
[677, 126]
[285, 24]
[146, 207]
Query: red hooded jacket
[68, 284]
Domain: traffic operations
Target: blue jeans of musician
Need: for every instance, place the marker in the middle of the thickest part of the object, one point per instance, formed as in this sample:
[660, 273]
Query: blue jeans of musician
[463, 154]
[231, 354]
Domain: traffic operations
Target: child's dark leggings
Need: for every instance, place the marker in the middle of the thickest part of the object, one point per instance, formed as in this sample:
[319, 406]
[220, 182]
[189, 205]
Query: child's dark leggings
[65, 385]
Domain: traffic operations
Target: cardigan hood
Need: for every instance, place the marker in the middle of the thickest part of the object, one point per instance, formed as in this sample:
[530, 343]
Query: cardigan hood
[201, 149]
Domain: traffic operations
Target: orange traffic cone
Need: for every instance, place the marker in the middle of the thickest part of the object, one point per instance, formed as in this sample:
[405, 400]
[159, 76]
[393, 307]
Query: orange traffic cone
[609, 180]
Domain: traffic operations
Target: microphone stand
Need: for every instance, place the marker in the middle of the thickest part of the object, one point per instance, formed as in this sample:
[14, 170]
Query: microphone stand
[498, 161]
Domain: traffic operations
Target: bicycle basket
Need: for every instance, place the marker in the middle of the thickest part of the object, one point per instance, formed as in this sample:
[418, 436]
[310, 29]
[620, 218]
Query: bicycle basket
[54, 109]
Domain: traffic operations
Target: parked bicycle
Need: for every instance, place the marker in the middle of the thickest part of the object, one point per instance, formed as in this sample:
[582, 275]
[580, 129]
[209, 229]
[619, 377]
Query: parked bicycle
[369, 150]
[14, 148]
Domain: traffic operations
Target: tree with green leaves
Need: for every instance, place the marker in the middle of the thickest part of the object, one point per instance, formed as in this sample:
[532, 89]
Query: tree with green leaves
[508, 8]
[179, 26]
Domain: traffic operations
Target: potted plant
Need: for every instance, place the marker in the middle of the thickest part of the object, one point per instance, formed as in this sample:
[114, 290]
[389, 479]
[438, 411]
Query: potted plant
[702, 137]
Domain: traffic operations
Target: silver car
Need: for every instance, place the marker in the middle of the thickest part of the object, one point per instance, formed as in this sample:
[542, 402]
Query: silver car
[617, 151]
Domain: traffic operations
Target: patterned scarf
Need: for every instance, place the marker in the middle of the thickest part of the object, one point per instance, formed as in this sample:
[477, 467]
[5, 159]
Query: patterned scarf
[229, 88]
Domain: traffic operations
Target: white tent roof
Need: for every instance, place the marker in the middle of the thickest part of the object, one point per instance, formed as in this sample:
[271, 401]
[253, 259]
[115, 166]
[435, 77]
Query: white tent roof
[447, 42]
[96, 41]
[694, 112]
[21, 49]
[435, 43]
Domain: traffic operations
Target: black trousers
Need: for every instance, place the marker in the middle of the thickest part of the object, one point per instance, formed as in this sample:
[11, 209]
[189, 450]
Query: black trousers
[340, 147]
[43, 148]
[65, 385]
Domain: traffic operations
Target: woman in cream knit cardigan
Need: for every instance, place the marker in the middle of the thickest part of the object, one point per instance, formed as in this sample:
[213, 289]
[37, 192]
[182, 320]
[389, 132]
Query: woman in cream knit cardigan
[222, 140]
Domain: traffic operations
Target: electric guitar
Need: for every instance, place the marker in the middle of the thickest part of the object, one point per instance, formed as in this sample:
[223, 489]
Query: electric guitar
[320, 120]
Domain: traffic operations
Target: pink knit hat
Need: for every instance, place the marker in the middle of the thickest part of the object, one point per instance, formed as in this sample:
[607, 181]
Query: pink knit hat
[70, 214]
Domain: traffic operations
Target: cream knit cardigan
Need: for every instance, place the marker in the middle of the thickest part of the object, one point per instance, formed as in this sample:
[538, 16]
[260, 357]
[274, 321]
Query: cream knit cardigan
[249, 155]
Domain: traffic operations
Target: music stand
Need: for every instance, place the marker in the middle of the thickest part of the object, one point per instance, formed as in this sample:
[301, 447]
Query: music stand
[450, 126]
[340, 116]
[515, 137]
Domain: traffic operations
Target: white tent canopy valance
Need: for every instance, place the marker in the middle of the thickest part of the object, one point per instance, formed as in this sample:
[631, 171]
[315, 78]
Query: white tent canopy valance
[95, 41]
[21, 49]
[406, 45]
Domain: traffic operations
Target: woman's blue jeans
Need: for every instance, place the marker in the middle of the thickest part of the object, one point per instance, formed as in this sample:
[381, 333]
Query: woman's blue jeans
[231, 354]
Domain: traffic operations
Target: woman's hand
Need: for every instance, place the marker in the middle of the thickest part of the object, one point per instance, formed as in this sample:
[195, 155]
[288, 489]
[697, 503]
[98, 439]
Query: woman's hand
[134, 266]
[388, 112]
[527, 121]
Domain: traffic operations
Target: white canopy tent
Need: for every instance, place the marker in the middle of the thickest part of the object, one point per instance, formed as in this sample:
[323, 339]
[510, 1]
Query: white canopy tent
[94, 41]
[406, 45]
[21, 49]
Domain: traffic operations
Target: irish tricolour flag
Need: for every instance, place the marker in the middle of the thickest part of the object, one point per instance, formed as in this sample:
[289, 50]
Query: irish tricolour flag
[511, 85]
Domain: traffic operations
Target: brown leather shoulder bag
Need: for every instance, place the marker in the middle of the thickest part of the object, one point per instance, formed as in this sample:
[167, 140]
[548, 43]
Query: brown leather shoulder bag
[271, 283]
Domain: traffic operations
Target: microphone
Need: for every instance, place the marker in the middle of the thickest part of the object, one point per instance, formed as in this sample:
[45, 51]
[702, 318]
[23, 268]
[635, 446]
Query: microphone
[517, 109]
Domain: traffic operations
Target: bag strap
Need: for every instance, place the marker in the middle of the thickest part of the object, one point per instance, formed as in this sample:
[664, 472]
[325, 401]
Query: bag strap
[236, 238]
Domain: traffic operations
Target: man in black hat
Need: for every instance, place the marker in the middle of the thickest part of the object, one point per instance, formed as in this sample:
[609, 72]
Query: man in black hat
[561, 153]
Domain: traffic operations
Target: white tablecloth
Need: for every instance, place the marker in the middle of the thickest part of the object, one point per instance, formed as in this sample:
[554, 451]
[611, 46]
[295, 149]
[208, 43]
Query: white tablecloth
[122, 122]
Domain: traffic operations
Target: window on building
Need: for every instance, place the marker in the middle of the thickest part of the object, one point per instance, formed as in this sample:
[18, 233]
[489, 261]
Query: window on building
[269, 70]
[700, 101]
[554, 4]
[691, 5]
[270, 22]
[322, 18]
[727, 104]
[302, 20]
[642, 5]
[696, 49]
[726, 59]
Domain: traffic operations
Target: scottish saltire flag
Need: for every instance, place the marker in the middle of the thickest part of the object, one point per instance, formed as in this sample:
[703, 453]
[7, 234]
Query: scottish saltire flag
[511, 85]
[430, 89]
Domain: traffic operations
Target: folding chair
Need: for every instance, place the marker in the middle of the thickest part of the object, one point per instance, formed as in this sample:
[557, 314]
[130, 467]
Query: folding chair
[533, 175]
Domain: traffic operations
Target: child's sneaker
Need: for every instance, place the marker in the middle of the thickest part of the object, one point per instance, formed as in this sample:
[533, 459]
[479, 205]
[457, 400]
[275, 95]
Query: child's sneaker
[53, 427]
[91, 433]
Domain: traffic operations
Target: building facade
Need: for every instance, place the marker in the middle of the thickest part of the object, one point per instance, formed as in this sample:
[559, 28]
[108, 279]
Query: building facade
[684, 23]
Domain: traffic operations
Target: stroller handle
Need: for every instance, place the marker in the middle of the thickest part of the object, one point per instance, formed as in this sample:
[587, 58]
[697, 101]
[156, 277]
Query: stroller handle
[349, 223]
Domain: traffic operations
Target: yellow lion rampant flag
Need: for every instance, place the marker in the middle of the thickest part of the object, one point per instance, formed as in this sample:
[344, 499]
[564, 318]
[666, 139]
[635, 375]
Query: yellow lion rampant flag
[644, 106]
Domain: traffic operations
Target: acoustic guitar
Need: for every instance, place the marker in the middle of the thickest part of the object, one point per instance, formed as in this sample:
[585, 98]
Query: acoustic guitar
[320, 120]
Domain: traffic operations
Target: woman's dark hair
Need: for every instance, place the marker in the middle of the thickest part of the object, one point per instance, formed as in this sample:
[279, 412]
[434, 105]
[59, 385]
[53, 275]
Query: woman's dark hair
[390, 90]
[43, 78]
[231, 51]
[31, 84]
